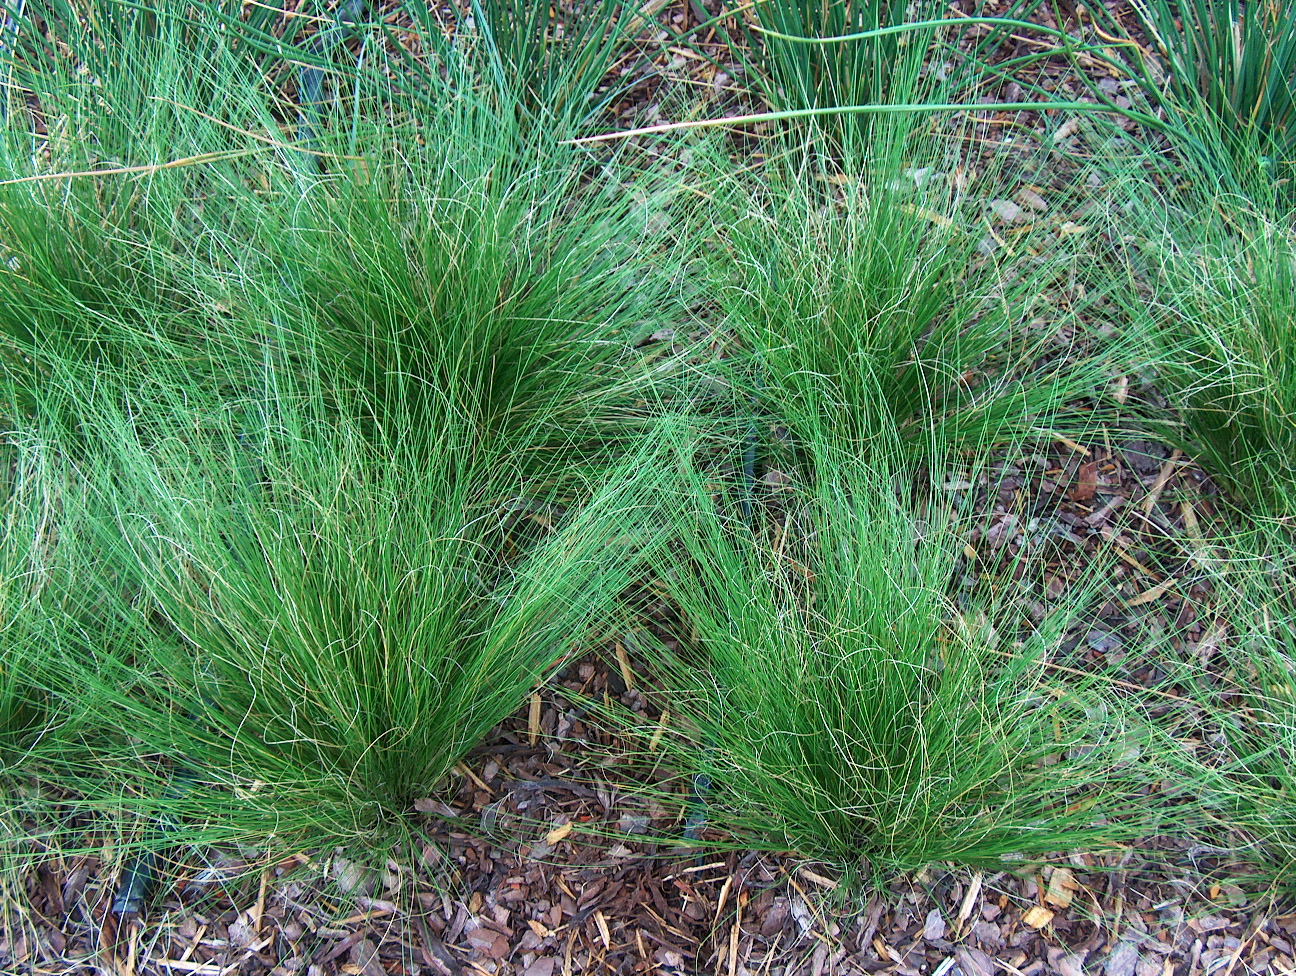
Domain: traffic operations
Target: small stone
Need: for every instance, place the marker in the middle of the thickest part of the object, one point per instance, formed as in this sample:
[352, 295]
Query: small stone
[1006, 210]
[1029, 198]
[1122, 961]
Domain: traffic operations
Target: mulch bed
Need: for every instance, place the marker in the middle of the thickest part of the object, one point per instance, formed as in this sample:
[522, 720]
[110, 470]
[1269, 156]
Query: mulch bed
[542, 860]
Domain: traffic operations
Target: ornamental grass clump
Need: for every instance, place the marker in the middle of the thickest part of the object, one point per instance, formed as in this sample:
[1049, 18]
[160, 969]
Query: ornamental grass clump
[363, 450]
[474, 291]
[324, 642]
[1230, 745]
[888, 302]
[1219, 299]
[792, 73]
[847, 76]
[28, 520]
[832, 699]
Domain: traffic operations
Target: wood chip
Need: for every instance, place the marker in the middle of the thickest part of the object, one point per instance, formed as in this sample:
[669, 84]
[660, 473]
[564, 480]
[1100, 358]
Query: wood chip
[533, 719]
[604, 933]
[1121, 388]
[1158, 486]
[818, 879]
[1006, 210]
[938, 219]
[623, 662]
[1155, 593]
[655, 741]
[558, 833]
[970, 899]
[974, 962]
[734, 933]
[197, 968]
[1028, 197]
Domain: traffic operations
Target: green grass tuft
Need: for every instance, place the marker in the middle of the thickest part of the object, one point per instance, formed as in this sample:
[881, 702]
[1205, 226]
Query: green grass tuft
[841, 706]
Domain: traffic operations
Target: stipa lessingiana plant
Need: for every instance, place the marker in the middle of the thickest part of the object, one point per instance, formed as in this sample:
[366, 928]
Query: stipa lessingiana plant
[1234, 753]
[1222, 295]
[884, 309]
[47, 560]
[134, 264]
[825, 55]
[349, 462]
[472, 294]
[540, 74]
[835, 703]
[327, 642]
[793, 75]
[548, 65]
[27, 531]
[518, 283]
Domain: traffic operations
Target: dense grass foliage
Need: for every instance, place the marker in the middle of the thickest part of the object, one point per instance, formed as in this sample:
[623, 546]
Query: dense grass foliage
[343, 398]
[880, 306]
[1231, 65]
[1224, 293]
[839, 705]
[344, 624]
[478, 296]
[337, 438]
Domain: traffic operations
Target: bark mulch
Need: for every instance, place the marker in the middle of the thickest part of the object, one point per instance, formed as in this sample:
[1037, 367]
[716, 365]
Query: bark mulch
[542, 860]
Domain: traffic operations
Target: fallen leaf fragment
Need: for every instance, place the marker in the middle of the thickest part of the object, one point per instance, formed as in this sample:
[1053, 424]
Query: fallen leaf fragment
[558, 833]
[533, 719]
[1061, 888]
[1086, 482]
[432, 805]
[1037, 916]
[1028, 197]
